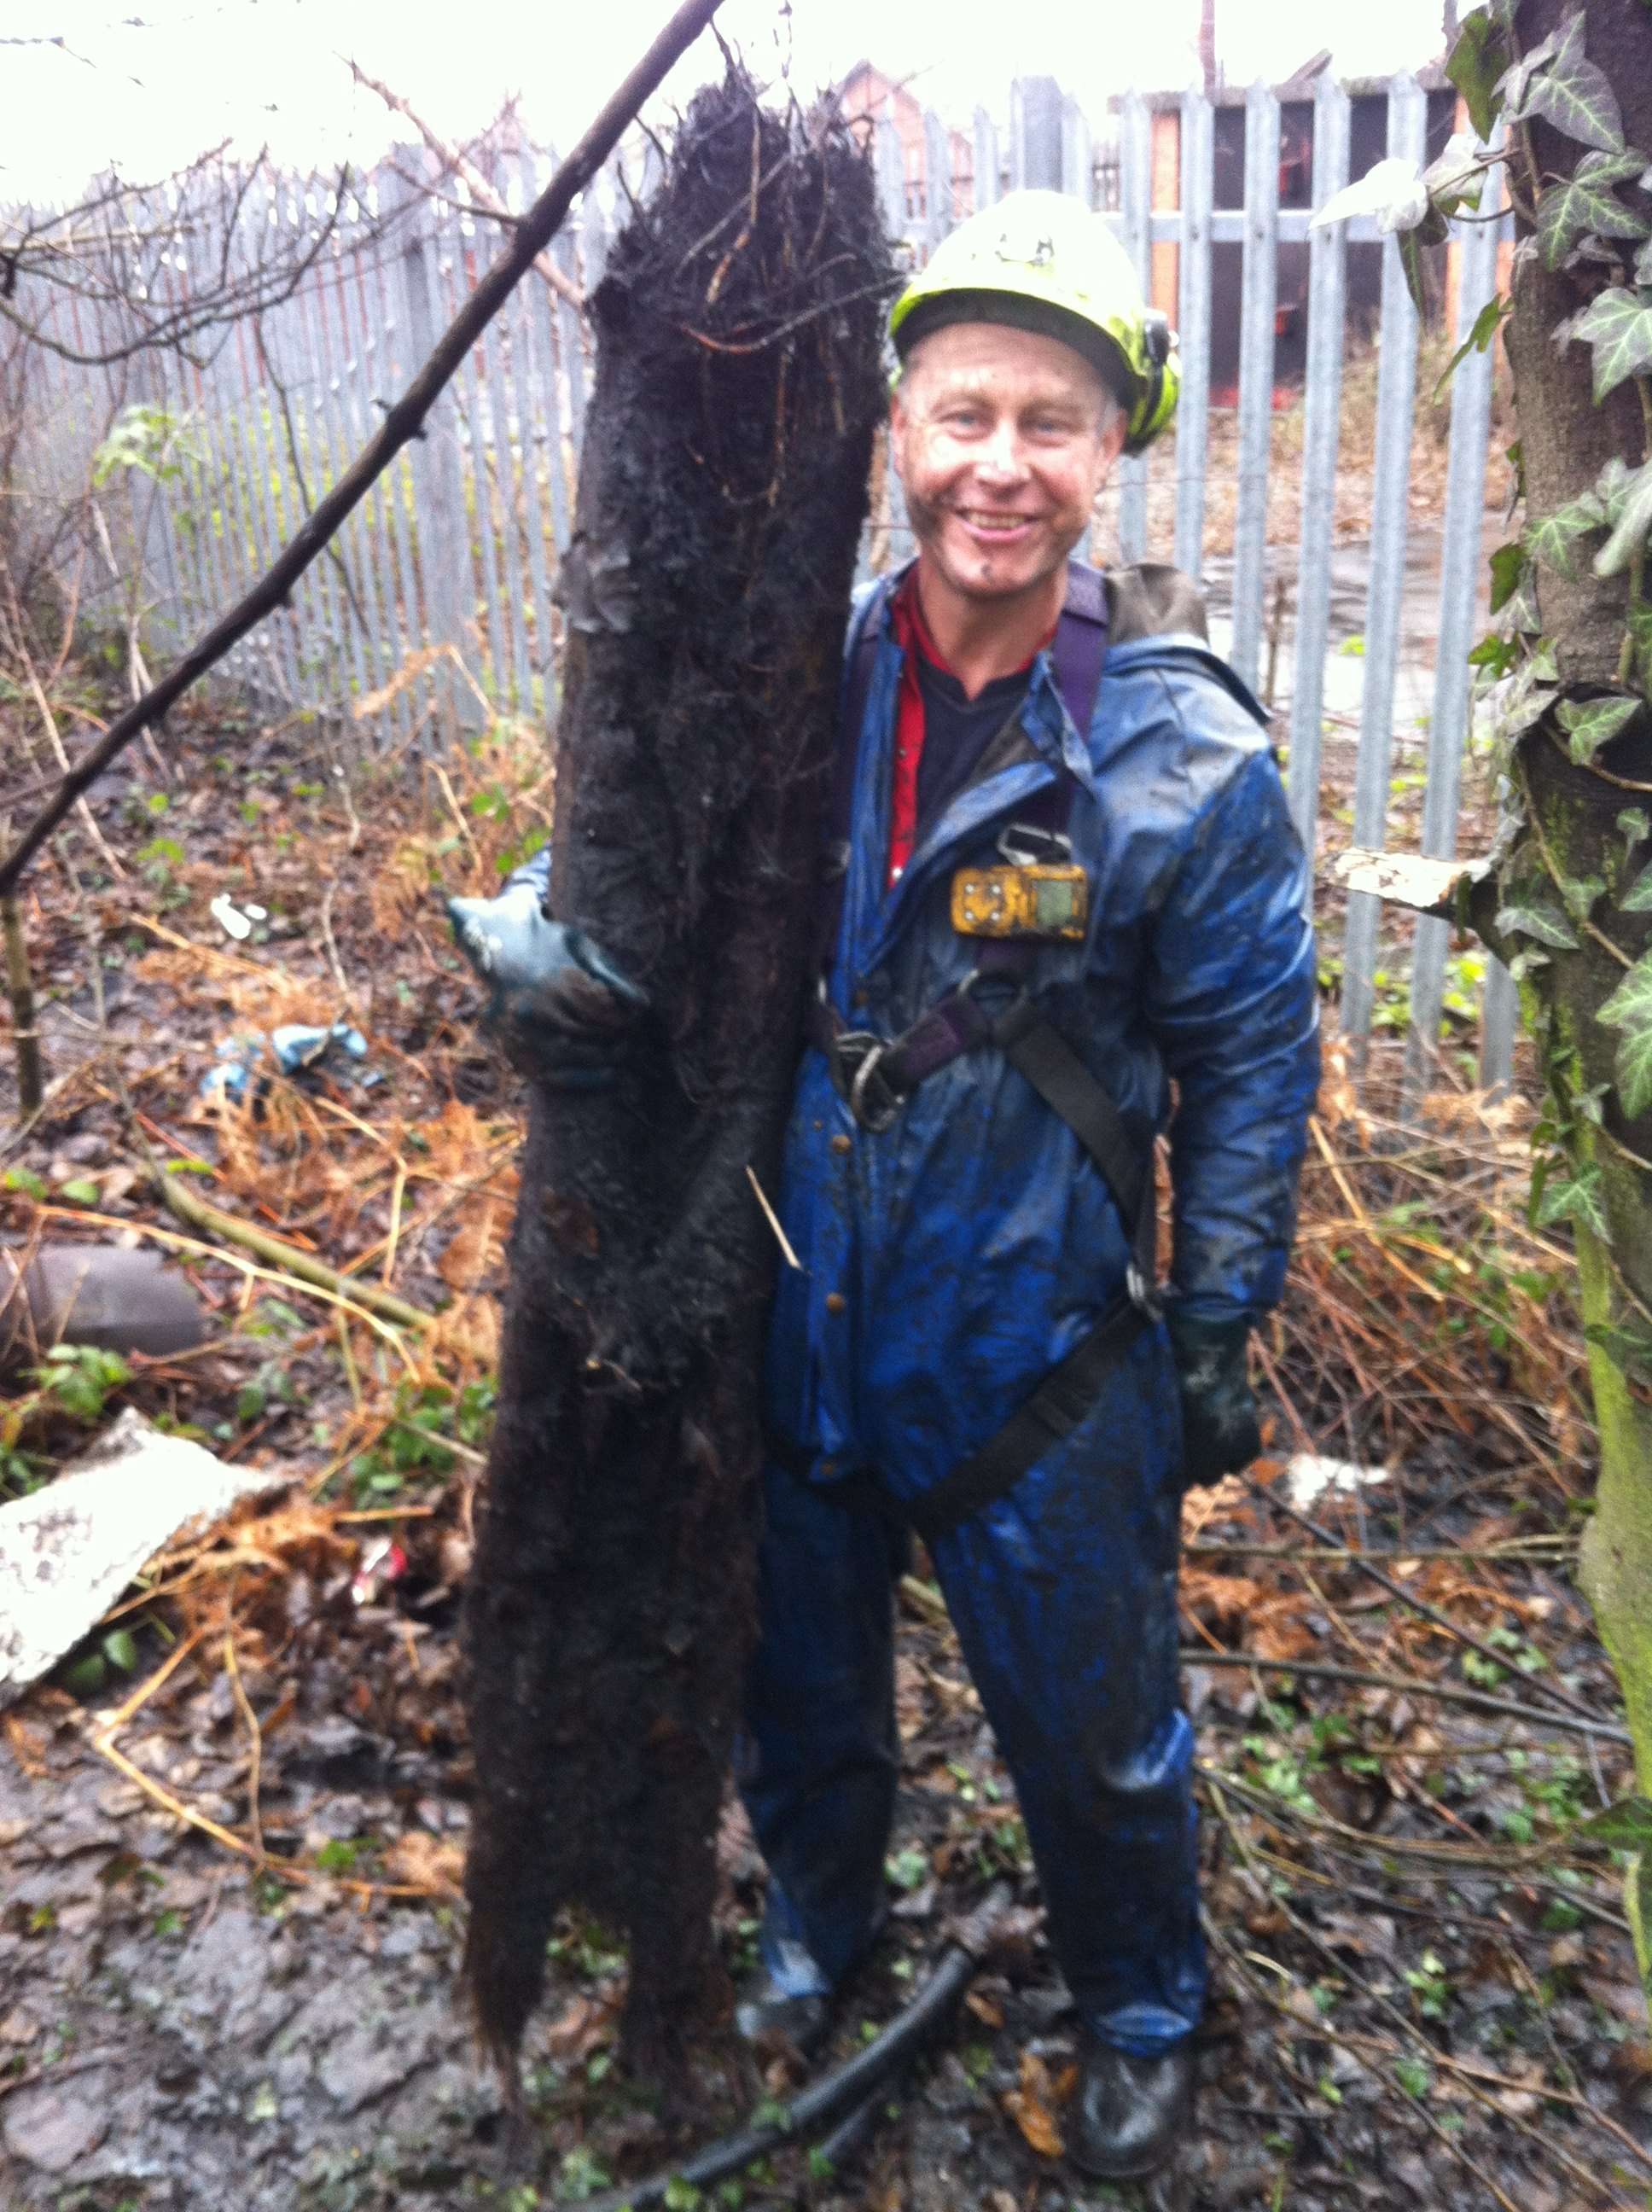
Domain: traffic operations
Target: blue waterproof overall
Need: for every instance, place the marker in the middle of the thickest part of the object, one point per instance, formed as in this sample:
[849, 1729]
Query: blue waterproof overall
[950, 1260]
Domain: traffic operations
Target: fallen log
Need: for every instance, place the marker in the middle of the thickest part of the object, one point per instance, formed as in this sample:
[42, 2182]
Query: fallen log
[722, 492]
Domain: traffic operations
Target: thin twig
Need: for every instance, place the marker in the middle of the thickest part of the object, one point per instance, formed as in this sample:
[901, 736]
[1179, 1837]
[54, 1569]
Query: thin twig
[54, 738]
[254, 1734]
[482, 191]
[1534, 821]
[308, 1269]
[25, 1035]
[1619, 782]
[1364, 1561]
[1445, 1692]
[1518, 1551]
[401, 423]
[1269, 1895]
[331, 944]
[1327, 2032]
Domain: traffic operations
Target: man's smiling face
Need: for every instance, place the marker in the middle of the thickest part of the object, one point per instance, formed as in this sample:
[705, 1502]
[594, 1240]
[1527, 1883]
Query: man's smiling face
[1002, 439]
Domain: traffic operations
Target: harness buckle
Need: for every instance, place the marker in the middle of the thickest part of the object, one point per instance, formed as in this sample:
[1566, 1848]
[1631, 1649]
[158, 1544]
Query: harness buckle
[873, 1099]
[1143, 1295]
[860, 1081]
[1030, 845]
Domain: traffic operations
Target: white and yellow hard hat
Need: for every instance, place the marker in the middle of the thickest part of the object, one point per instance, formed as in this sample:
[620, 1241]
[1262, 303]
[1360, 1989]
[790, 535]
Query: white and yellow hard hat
[1041, 261]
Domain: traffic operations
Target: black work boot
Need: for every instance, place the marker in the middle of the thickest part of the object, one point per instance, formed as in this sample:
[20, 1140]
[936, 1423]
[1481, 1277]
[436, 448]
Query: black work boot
[1130, 2113]
[778, 2020]
[776, 2025]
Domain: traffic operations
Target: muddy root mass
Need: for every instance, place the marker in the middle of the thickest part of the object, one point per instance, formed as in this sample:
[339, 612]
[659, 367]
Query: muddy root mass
[722, 494]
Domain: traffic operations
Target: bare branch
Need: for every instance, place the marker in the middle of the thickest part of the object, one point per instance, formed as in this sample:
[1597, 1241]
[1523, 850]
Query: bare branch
[118, 249]
[480, 190]
[401, 424]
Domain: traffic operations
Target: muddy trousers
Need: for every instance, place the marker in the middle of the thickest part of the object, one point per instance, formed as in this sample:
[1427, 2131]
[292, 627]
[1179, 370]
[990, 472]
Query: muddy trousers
[1063, 1596]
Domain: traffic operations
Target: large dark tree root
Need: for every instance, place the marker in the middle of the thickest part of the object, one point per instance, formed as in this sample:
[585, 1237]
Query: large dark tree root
[722, 492]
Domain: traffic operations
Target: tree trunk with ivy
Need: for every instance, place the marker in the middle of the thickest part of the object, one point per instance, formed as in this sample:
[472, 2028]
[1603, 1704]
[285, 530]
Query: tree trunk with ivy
[1582, 774]
[1569, 901]
[1567, 896]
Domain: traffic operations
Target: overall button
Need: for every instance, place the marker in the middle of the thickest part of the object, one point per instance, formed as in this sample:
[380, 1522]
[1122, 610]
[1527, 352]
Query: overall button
[836, 1302]
[842, 1144]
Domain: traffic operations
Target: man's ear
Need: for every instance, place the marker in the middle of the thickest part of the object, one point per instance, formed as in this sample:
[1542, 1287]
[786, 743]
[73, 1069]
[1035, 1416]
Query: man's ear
[897, 423]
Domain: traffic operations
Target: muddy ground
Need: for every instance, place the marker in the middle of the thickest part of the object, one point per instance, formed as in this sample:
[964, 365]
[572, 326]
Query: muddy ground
[229, 1924]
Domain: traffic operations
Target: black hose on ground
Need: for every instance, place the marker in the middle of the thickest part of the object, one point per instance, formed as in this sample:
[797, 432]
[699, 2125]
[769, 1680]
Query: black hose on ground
[848, 2093]
[840, 2150]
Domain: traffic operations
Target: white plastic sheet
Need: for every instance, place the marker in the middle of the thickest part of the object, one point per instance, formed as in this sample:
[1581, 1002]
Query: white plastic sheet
[68, 1550]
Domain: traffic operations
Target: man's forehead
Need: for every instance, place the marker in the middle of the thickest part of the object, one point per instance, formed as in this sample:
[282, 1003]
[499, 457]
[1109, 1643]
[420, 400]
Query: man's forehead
[984, 356]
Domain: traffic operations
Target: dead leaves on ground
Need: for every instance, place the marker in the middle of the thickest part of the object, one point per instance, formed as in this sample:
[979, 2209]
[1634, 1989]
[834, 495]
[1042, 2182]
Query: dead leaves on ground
[1238, 1609]
[430, 1864]
[1034, 2104]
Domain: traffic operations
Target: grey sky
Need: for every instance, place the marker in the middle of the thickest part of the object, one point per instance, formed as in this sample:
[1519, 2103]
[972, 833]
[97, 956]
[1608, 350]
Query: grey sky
[150, 82]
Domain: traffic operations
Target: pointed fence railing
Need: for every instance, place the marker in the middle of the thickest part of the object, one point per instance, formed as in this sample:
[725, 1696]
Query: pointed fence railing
[436, 609]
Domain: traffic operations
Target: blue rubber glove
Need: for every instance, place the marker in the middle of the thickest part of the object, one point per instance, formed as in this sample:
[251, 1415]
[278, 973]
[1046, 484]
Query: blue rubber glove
[562, 1011]
[1220, 1433]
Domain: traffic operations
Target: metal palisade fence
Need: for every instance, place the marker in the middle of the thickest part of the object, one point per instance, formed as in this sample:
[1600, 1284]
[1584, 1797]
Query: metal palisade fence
[436, 605]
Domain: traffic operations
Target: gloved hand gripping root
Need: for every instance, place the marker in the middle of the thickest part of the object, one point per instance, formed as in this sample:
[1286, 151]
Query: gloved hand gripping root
[561, 1008]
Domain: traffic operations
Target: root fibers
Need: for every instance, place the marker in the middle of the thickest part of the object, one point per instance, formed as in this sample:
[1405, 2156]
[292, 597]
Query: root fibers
[722, 493]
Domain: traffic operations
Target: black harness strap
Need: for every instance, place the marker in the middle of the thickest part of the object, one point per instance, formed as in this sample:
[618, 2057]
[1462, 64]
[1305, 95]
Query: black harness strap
[1036, 1049]
[1053, 1411]
[876, 1076]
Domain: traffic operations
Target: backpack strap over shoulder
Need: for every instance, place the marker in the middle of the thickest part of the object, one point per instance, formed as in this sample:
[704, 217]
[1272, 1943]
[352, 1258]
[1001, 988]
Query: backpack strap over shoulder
[1151, 599]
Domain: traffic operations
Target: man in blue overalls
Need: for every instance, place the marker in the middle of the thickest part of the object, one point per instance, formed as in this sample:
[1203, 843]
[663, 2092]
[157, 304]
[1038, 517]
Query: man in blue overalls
[1066, 881]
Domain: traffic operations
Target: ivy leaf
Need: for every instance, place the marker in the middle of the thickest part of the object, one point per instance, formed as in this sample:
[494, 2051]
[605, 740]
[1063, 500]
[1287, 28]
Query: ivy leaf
[1551, 538]
[1619, 329]
[1595, 724]
[1521, 710]
[1485, 329]
[1575, 205]
[1508, 566]
[1392, 190]
[1433, 230]
[1519, 615]
[1637, 899]
[1602, 169]
[1574, 95]
[1476, 64]
[1575, 1199]
[1633, 520]
[1638, 623]
[1628, 1349]
[1615, 482]
[1581, 894]
[1626, 1826]
[1633, 821]
[1456, 177]
[1527, 962]
[1517, 78]
[1607, 253]
[1629, 1009]
[1545, 922]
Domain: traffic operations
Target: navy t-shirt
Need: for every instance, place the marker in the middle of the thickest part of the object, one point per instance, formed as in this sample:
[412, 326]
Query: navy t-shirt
[957, 730]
